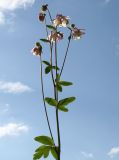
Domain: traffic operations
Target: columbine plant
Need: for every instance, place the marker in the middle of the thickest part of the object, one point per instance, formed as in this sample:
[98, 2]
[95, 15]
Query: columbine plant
[47, 143]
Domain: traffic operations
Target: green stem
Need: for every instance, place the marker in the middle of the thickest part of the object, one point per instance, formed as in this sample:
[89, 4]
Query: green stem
[52, 75]
[46, 27]
[55, 89]
[50, 16]
[43, 95]
[69, 40]
[51, 47]
[56, 97]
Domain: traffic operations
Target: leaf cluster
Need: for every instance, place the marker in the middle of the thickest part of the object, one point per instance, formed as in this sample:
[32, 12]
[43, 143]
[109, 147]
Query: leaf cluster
[61, 105]
[49, 67]
[46, 148]
[60, 83]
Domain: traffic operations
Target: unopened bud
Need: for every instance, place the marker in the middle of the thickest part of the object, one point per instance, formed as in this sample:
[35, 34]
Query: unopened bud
[38, 44]
[44, 7]
[72, 25]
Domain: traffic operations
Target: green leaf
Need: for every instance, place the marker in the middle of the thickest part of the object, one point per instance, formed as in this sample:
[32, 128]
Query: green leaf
[62, 108]
[45, 40]
[59, 87]
[65, 83]
[58, 77]
[66, 101]
[44, 140]
[47, 69]
[54, 153]
[51, 101]
[46, 152]
[42, 151]
[46, 62]
[54, 67]
[51, 27]
[37, 155]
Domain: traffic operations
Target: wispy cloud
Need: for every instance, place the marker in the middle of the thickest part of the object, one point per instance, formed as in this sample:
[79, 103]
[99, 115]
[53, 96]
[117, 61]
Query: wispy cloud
[87, 155]
[113, 152]
[13, 129]
[4, 108]
[12, 5]
[14, 87]
[107, 1]
[2, 18]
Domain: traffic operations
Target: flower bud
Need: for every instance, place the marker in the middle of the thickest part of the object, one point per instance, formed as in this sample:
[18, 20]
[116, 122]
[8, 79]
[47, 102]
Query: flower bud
[44, 7]
[38, 44]
[72, 25]
[41, 17]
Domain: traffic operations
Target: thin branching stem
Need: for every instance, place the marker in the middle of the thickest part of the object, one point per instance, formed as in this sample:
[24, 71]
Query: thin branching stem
[51, 48]
[56, 97]
[69, 40]
[50, 15]
[46, 27]
[51, 59]
[43, 96]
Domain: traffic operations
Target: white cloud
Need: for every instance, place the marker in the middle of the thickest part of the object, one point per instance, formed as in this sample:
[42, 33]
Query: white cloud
[113, 152]
[87, 155]
[2, 18]
[12, 5]
[14, 87]
[13, 129]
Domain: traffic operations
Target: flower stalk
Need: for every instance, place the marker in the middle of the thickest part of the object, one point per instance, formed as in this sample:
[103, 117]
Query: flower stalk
[69, 40]
[56, 97]
[43, 96]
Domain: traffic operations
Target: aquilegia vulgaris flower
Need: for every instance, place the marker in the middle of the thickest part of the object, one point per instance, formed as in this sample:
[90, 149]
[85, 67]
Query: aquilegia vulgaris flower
[61, 21]
[77, 33]
[55, 36]
[37, 50]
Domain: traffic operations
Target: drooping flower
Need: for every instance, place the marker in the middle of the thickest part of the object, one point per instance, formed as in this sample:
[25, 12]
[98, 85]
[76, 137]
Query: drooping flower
[61, 21]
[37, 50]
[41, 17]
[55, 36]
[42, 12]
[77, 33]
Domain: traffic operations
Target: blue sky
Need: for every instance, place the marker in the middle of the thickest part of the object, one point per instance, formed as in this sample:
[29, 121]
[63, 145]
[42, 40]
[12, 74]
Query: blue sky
[90, 130]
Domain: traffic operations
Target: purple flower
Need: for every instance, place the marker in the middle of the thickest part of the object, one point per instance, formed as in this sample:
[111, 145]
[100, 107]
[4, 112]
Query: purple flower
[77, 33]
[61, 21]
[55, 36]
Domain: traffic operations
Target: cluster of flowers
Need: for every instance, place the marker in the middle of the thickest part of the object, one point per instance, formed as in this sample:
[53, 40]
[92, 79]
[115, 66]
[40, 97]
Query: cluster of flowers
[59, 21]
